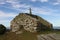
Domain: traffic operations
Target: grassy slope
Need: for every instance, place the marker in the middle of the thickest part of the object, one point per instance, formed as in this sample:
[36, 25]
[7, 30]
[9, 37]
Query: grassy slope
[23, 36]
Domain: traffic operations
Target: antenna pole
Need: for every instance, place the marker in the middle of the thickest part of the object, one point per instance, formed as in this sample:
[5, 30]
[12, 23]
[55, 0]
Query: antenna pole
[30, 11]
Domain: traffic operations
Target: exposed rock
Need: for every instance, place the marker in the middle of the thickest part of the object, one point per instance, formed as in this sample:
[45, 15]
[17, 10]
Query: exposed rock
[23, 21]
[29, 22]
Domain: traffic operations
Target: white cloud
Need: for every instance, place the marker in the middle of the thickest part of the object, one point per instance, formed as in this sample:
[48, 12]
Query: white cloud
[39, 0]
[2, 2]
[1, 21]
[33, 0]
[3, 14]
[43, 0]
[12, 1]
[41, 11]
[57, 2]
[45, 11]
[16, 4]
[6, 22]
[5, 18]
[20, 6]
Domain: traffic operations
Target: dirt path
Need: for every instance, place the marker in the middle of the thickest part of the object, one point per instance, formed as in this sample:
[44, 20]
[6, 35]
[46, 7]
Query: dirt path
[49, 36]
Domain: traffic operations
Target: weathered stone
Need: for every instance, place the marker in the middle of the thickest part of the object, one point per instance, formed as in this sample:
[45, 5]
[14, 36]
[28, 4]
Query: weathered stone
[29, 22]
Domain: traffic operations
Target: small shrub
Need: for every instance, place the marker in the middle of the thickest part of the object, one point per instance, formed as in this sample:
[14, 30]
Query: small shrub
[2, 29]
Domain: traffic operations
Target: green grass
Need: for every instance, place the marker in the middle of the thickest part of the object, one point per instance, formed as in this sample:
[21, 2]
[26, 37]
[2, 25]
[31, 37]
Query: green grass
[24, 36]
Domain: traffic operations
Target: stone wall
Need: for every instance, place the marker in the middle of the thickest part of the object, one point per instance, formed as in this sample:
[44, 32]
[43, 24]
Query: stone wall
[25, 22]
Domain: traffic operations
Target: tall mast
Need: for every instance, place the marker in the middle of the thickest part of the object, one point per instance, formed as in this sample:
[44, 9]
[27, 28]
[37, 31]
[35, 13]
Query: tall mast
[30, 11]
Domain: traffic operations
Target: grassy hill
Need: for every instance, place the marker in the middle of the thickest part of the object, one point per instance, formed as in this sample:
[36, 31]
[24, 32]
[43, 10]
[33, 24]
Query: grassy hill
[23, 36]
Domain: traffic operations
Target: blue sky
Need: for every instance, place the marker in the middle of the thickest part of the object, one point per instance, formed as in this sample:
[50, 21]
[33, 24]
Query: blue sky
[47, 9]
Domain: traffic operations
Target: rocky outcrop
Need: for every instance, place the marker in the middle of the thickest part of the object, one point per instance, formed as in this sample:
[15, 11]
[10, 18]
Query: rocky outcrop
[28, 22]
[24, 21]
